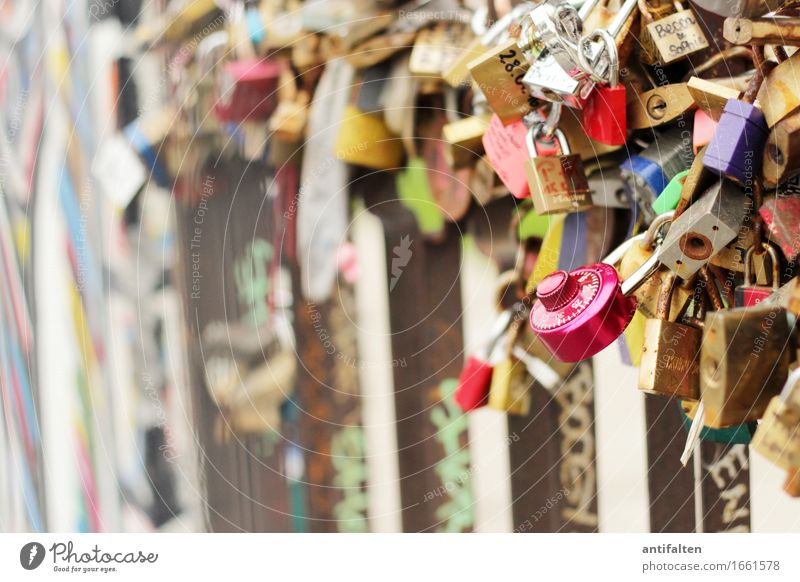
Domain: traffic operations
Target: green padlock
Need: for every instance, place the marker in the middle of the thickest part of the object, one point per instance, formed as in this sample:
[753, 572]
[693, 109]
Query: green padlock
[532, 225]
[415, 193]
[739, 434]
[669, 198]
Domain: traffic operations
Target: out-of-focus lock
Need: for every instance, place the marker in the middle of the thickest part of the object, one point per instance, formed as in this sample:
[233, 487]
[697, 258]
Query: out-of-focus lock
[558, 183]
[647, 174]
[506, 150]
[778, 434]
[782, 152]
[510, 387]
[744, 361]
[746, 8]
[462, 138]
[704, 229]
[247, 89]
[669, 365]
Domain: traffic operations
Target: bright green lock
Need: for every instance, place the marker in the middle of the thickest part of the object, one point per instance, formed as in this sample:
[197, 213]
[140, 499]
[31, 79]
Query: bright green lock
[668, 199]
[532, 225]
[415, 193]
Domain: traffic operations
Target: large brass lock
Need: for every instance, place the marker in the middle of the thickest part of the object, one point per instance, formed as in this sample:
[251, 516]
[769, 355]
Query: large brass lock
[744, 361]
[669, 364]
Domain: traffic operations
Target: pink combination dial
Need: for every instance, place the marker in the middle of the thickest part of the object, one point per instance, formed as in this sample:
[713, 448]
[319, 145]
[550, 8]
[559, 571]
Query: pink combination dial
[577, 314]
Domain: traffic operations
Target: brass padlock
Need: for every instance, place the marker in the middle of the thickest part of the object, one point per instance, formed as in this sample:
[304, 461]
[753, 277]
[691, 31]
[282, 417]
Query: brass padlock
[463, 140]
[669, 32]
[711, 97]
[782, 152]
[364, 140]
[557, 184]
[669, 364]
[792, 483]
[744, 361]
[778, 434]
[509, 390]
[779, 94]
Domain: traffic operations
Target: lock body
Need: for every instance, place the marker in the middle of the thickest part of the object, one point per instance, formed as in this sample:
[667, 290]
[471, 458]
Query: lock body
[558, 184]
[704, 229]
[781, 216]
[510, 387]
[577, 314]
[247, 91]
[549, 81]
[782, 151]
[737, 149]
[473, 384]
[463, 145]
[744, 361]
[778, 434]
[676, 36]
[669, 365]
[605, 115]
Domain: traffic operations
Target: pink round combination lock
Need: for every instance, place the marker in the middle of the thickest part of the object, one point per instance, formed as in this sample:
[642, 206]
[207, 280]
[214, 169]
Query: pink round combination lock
[577, 314]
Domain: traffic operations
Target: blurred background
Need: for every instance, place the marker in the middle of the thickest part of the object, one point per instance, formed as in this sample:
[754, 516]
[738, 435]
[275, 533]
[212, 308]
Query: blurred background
[225, 308]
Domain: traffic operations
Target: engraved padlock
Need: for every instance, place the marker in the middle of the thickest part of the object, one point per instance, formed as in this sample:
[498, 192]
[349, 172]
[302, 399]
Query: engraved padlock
[672, 36]
[750, 292]
[671, 352]
[744, 361]
[476, 376]
[577, 314]
[557, 183]
[778, 435]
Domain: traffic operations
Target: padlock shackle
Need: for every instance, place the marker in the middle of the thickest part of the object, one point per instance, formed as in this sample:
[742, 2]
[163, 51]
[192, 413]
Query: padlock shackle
[773, 255]
[537, 368]
[637, 279]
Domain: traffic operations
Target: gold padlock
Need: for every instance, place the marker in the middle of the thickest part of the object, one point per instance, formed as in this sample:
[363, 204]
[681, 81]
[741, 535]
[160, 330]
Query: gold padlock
[744, 361]
[792, 484]
[778, 433]
[462, 138]
[509, 389]
[669, 364]
[364, 140]
[672, 36]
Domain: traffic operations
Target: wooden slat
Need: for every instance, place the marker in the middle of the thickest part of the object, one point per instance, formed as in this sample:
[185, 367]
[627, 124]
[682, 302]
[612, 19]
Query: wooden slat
[726, 487]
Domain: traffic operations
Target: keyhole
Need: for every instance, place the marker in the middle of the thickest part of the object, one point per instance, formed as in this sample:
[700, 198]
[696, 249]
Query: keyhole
[656, 106]
[696, 246]
[776, 154]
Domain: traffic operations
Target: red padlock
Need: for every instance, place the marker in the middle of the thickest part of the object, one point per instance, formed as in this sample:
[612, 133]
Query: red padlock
[605, 115]
[476, 376]
[507, 151]
[577, 314]
[247, 89]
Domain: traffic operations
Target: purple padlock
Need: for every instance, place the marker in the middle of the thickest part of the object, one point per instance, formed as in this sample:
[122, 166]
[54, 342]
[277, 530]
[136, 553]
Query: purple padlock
[737, 146]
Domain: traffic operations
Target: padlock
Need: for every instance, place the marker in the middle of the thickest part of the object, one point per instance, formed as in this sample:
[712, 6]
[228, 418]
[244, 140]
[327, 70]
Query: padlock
[779, 94]
[704, 229]
[476, 376]
[484, 183]
[247, 89]
[651, 11]
[605, 112]
[783, 31]
[781, 216]
[737, 149]
[750, 293]
[746, 8]
[703, 130]
[547, 80]
[660, 106]
[782, 152]
[711, 97]
[435, 48]
[744, 361]
[669, 364]
[647, 174]
[558, 183]
[579, 313]
[778, 434]
[671, 195]
[506, 150]
[463, 145]
[509, 391]
[673, 37]
[638, 253]
[364, 140]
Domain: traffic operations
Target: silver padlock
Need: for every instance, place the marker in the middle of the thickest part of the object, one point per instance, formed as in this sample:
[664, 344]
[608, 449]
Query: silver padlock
[597, 51]
[704, 229]
[547, 80]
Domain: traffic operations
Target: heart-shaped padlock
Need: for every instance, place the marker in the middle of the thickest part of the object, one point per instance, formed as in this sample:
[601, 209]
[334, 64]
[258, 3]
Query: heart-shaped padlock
[579, 313]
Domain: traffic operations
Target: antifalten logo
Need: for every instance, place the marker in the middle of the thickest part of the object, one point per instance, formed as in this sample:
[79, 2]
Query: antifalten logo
[66, 558]
[31, 555]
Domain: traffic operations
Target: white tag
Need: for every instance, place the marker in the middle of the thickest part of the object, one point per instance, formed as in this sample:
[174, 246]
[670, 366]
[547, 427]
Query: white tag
[694, 433]
[118, 170]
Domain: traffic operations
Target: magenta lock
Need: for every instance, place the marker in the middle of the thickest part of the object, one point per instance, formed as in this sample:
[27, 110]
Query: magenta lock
[579, 313]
